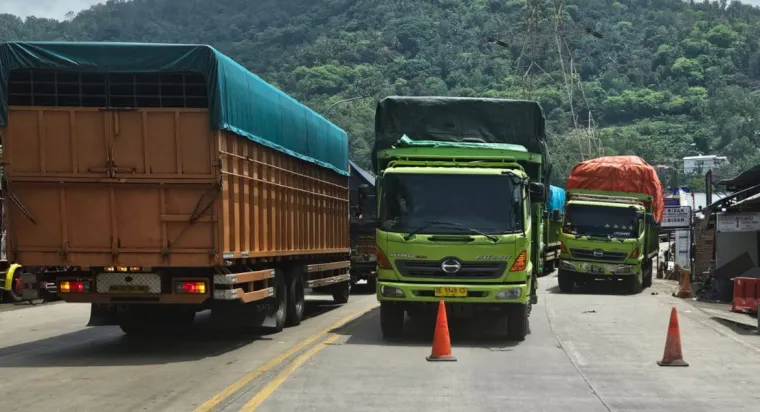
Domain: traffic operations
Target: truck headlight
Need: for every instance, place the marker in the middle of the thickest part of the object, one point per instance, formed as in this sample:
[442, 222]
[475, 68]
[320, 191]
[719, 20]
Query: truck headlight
[391, 292]
[567, 265]
[623, 270]
[509, 294]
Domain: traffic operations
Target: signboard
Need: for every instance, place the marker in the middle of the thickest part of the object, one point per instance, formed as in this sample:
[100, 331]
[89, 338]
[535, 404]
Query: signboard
[737, 222]
[676, 217]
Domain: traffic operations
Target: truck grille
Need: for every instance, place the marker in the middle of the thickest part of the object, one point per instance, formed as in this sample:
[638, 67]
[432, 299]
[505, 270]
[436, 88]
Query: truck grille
[599, 255]
[432, 269]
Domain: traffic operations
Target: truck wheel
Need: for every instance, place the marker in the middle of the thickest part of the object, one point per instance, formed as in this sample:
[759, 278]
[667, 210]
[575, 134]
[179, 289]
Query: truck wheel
[341, 292]
[648, 275]
[372, 283]
[281, 299]
[634, 284]
[517, 322]
[566, 281]
[548, 267]
[391, 320]
[296, 299]
[13, 291]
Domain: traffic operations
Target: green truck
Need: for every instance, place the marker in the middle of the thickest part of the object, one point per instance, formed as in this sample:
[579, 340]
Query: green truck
[610, 228]
[461, 184]
[552, 228]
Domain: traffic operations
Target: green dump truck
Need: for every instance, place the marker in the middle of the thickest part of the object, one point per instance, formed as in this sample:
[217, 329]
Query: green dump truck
[461, 184]
[552, 228]
[610, 227]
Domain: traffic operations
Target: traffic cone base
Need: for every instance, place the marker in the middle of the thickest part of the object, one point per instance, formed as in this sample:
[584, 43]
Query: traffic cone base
[684, 287]
[673, 355]
[677, 362]
[441, 340]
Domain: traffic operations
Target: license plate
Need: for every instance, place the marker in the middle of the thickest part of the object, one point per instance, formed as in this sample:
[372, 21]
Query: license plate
[128, 289]
[596, 269]
[451, 292]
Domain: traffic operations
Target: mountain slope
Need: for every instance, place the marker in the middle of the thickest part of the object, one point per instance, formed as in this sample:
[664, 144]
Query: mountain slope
[667, 79]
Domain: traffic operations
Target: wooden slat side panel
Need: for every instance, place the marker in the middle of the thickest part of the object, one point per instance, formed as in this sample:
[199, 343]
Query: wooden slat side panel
[278, 205]
[78, 143]
[79, 224]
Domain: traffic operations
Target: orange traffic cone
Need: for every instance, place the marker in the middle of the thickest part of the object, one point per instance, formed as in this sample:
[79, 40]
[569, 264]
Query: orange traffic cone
[673, 355]
[441, 340]
[684, 285]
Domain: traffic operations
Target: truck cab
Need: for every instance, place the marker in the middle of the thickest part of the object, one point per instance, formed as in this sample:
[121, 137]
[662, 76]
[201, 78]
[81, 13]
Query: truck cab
[607, 237]
[460, 230]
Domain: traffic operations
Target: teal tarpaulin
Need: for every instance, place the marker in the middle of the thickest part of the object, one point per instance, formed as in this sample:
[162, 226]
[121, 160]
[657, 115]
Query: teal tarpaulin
[239, 101]
[556, 199]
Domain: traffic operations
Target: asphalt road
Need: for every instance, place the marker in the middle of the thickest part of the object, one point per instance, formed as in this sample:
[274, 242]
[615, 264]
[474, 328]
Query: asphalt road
[595, 350]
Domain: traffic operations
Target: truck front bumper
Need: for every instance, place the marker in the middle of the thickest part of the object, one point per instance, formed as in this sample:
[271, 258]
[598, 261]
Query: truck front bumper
[467, 293]
[600, 269]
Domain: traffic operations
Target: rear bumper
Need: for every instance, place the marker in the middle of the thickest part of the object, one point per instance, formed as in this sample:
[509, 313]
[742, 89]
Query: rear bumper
[600, 269]
[426, 292]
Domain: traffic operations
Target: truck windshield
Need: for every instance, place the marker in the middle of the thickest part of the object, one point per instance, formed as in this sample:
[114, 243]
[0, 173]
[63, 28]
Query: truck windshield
[601, 221]
[491, 204]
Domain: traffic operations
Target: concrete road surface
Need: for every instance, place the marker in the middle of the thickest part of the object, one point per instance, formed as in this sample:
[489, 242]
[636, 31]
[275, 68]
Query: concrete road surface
[594, 350]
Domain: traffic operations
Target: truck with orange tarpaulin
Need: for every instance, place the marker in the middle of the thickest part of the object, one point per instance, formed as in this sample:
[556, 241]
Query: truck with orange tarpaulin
[610, 228]
[154, 181]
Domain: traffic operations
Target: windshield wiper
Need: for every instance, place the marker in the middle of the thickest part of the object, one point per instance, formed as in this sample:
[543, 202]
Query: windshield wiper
[492, 238]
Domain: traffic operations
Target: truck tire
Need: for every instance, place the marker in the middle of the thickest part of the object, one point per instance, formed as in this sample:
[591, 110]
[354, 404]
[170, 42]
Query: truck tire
[372, 283]
[548, 267]
[391, 320]
[296, 298]
[648, 275]
[281, 299]
[518, 322]
[634, 284]
[566, 281]
[341, 292]
[12, 291]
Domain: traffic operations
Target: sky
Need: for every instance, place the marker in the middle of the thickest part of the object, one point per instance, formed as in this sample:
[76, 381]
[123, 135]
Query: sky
[57, 9]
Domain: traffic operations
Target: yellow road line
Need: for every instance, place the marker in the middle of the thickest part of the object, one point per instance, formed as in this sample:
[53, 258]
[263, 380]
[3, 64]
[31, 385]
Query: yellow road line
[275, 383]
[218, 398]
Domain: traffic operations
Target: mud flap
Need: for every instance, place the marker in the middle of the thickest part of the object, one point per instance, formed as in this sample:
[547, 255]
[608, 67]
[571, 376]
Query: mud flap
[269, 308]
[103, 314]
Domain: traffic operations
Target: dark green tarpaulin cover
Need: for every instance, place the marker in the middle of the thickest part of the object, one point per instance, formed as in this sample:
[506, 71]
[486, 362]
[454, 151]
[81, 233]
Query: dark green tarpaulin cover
[239, 101]
[457, 119]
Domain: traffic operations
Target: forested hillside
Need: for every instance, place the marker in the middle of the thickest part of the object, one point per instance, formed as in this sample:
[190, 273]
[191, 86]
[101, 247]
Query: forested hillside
[668, 78]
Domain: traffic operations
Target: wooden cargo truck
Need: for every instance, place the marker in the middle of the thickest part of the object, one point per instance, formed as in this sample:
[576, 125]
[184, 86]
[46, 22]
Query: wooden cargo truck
[155, 181]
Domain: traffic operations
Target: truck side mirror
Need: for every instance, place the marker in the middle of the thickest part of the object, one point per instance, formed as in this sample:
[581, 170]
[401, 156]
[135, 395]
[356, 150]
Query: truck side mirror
[537, 192]
[556, 215]
[650, 219]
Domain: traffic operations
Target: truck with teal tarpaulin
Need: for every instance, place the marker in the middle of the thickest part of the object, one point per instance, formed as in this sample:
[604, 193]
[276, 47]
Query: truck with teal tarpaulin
[610, 230]
[552, 228]
[154, 181]
[461, 184]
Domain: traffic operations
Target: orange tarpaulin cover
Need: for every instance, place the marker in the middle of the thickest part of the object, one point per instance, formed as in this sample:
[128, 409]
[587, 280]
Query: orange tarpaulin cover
[619, 174]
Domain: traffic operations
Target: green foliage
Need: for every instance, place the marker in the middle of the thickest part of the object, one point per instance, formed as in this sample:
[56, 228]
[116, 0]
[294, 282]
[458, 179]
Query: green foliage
[669, 79]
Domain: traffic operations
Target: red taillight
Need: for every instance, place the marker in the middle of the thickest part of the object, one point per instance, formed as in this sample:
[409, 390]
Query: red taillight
[191, 287]
[562, 248]
[634, 254]
[73, 286]
[520, 263]
[382, 260]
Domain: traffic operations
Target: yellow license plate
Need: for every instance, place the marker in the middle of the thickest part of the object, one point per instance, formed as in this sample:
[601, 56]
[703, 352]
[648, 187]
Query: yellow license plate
[451, 292]
[128, 289]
